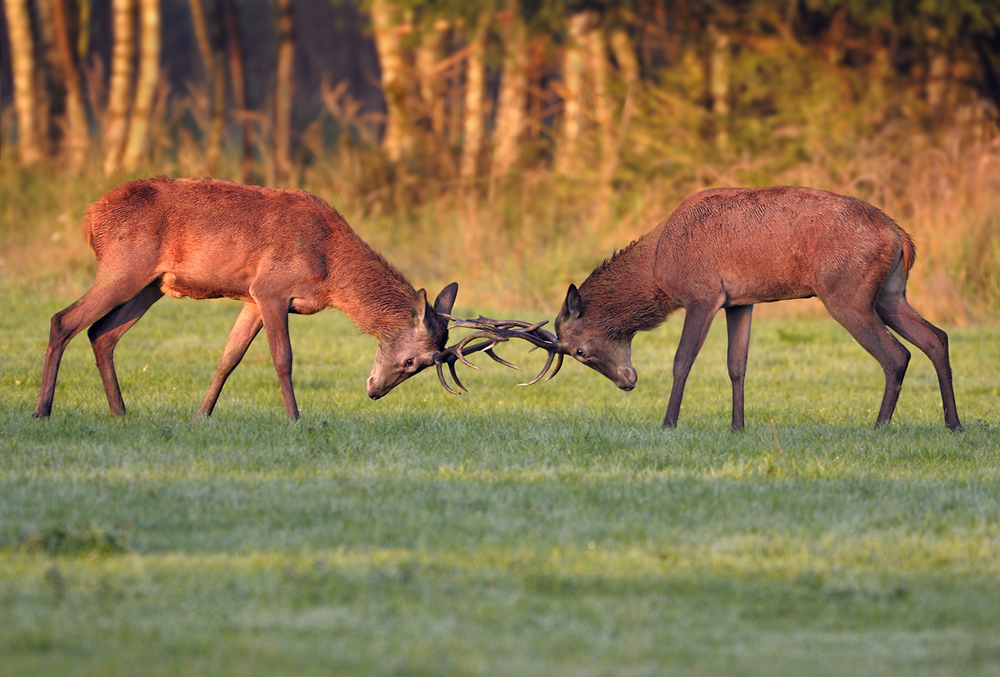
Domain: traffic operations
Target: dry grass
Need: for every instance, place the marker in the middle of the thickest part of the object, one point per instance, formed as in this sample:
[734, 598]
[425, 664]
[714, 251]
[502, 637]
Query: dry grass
[518, 241]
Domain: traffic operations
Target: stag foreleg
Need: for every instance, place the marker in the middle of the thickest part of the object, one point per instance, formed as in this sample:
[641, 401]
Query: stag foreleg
[697, 319]
[738, 327]
[244, 331]
[274, 313]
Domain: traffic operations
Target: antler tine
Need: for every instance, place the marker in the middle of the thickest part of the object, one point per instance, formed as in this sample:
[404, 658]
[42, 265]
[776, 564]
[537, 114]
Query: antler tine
[440, 372]
[495, 332]
[458, 350]
[548, 363]
[454, 375]
[556, 370]
[497, 358]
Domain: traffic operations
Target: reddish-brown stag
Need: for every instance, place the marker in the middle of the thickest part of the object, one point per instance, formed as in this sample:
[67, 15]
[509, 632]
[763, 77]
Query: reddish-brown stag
[278, 251]
[734, 247]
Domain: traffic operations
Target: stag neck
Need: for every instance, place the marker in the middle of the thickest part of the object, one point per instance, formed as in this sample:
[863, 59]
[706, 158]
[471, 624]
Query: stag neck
[622, 295]
[367, 288]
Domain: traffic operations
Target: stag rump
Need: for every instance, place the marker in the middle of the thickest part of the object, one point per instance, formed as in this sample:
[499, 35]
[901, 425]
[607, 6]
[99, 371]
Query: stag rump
[731, 248]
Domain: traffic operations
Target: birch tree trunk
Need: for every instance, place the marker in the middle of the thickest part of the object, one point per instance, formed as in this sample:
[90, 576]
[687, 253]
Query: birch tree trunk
[475, 75]
[936, 84]
[513, 96]
[389, 48]
[207, 19]
[625, 55]
[49, 90]
[597, 57]
[234, 50]
[23, 71]
[572, 84]
[284, 87]
[77, 138]
[137, 144]
[120, 94]
[628, 63]
[718, 82]
[427, 54]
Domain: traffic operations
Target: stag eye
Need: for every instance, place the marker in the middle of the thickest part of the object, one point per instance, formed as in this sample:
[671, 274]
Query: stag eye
[579, 352]
[409, 362]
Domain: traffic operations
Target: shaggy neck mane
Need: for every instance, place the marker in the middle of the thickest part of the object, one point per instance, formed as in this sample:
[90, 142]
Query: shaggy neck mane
[621, 297]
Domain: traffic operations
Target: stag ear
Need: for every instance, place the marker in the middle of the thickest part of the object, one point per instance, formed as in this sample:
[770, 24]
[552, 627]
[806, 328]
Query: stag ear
[446, 299]
[420, 308]
[571, 306]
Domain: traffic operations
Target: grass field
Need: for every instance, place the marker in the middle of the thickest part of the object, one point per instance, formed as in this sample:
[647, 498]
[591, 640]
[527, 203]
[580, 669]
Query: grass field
[549, 530]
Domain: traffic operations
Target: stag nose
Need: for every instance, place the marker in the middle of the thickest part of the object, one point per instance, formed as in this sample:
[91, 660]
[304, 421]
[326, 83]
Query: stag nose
[374, 391]
[628, 378]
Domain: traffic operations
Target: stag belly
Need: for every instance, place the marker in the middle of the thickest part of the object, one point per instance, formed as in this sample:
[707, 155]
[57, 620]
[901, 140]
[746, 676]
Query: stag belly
[206, 281]
[775, 284]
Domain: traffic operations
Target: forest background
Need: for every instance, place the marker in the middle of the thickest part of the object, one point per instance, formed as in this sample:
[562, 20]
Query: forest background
[509, 145]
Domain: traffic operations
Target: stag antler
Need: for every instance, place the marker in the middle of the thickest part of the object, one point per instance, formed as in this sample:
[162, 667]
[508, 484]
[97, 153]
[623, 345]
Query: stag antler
[497, 331]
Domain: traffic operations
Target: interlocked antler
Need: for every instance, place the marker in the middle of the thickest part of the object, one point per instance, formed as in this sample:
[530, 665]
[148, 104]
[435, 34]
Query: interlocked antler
[494, 332]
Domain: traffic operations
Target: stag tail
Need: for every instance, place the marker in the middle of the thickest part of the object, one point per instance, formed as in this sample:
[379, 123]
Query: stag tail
[909, 250]
[86, 230]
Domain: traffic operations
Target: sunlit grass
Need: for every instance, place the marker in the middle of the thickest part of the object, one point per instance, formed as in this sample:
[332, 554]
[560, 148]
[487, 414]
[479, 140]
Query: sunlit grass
[555, 529]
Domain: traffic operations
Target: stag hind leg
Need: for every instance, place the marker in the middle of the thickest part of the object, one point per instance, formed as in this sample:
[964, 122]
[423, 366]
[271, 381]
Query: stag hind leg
[738, 320]
[102, 298]
[894, 310]
[245, 330]
[107, 331]
[853, 306]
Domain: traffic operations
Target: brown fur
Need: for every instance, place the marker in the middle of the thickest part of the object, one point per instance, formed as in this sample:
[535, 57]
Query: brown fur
[732, 248]
[205, 238]
[628, 268]
[278, 251]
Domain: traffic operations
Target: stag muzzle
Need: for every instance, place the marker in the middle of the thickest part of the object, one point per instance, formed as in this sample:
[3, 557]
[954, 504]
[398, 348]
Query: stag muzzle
[626, 378]
[379, 385]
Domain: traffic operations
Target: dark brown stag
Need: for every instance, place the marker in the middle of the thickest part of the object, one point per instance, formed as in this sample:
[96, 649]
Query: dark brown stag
[734, 247]
[278, 251]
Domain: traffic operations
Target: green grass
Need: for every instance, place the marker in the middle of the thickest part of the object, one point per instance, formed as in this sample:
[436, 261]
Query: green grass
[549, 530]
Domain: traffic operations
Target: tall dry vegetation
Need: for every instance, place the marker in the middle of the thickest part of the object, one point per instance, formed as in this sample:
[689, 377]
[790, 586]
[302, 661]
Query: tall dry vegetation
[515, 162]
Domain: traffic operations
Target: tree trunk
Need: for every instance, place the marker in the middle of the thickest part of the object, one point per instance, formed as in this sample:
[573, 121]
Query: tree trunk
[628, 63]
[718, 82]
[137, 145]
[77, 137]
[206, 15]
[597, 57]
[936, 85]
[513, 95]
[199, 21]
[235, 55]
[23, 70]
[49, 86]
[572, 85]
[284, 86]
[625, 55]
[475, 75]
[427, 55]
[120, 95]
[390, 56]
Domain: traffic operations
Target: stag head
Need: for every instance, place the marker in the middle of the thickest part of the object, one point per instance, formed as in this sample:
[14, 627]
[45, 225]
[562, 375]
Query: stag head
[416, 346]
[590, 344]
